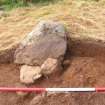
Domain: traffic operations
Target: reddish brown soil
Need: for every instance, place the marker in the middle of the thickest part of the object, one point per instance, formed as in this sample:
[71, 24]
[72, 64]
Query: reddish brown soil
[84, 66]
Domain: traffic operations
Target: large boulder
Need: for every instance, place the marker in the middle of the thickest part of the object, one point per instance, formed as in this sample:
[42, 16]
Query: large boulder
[47, 40]
[28, 74]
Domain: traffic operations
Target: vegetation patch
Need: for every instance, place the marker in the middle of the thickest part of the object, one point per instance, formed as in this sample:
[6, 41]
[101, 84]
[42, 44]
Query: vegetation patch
[9, 4]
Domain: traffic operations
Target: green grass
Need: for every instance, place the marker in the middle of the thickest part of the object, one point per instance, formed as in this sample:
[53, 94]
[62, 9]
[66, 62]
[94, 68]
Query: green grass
[10, 4]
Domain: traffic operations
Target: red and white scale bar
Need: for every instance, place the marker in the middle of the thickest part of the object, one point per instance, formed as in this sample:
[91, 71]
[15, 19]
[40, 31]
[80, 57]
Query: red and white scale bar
[7, 89]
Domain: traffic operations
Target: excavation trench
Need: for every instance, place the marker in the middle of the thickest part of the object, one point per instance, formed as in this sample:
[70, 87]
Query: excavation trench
[84, 66]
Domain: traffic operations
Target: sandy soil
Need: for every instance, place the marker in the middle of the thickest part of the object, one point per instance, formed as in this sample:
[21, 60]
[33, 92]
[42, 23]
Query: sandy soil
[84, 66]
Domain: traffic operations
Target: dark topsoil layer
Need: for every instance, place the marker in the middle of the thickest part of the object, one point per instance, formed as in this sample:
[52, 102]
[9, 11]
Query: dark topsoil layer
[84, 66]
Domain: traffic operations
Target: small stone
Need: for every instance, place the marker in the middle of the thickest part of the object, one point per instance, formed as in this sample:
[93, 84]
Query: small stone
[20, 93]
[66, 63]
[49, 66]
[39, 98]
[28, 74]
[36, 100]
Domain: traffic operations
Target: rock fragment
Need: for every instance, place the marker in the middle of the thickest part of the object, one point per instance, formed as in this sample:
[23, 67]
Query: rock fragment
[28, 74]
[20, 93]
[49, 66]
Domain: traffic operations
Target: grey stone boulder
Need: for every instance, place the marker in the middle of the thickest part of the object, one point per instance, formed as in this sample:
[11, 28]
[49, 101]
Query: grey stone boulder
[28, 74]
[47, 40]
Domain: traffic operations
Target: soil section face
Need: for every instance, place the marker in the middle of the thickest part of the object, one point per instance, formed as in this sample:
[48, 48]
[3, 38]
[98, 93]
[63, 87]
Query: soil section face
[84, 66]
